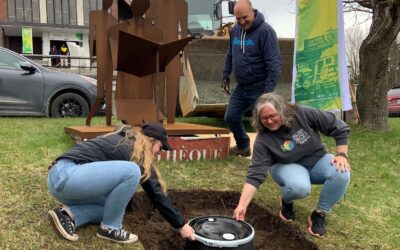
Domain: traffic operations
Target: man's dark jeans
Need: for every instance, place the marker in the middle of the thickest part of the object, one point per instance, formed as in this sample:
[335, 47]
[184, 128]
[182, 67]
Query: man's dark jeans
[243, 97]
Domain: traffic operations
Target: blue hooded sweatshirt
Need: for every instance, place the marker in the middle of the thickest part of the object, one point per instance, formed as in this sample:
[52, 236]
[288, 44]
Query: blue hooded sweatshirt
[254, 54]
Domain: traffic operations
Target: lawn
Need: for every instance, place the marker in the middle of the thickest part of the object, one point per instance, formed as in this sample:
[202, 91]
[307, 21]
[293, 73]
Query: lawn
[367, 218]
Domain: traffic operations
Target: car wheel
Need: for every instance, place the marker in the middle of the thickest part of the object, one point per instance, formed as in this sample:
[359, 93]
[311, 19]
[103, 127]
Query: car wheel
[69, 105]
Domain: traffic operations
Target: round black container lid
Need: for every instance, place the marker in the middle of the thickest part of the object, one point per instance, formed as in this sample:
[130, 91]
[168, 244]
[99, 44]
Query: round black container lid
[221, 228]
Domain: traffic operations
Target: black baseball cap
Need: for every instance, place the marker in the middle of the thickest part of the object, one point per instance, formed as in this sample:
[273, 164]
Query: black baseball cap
[157, 131]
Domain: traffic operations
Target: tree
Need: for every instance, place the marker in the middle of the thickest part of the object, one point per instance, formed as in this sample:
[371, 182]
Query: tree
[354, 38]
[374, 60]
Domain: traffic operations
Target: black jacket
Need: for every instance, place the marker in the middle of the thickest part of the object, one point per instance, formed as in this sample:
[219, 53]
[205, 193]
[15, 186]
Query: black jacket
[116, 147]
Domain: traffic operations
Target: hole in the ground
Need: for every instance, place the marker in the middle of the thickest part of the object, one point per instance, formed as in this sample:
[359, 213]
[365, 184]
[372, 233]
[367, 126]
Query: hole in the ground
[155, 232]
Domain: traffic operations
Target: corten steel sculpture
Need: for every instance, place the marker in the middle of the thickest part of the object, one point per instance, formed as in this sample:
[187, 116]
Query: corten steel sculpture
[168, 16]
[135, 50]
[134, 95]
[99, 23]
[139, 56]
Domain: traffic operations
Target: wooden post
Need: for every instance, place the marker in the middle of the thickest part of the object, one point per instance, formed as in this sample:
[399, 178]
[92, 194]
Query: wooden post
[354, 104]
[156, 90]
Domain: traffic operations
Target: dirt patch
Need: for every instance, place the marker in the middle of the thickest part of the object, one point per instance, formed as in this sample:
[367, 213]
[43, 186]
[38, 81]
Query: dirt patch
[155, 233]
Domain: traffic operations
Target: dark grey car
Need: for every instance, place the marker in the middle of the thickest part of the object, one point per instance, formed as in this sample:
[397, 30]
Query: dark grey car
[29, 89]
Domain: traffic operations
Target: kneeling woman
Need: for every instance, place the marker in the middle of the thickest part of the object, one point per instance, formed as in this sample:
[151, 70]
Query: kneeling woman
[289, 147]
[96, 179]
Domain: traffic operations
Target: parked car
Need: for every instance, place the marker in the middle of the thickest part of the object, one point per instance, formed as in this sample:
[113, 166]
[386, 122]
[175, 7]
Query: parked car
[29, 89]
[394, 101]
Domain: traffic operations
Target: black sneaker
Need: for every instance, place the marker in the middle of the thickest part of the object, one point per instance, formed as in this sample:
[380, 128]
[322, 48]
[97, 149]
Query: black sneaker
[286, 213]
[117, 235]
[237, 151]
[62, 224]
[317, 224]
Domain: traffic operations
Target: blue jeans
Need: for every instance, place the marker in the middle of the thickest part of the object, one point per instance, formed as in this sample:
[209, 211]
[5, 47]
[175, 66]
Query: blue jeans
[96, 192]
[295, 181]
[242, 98]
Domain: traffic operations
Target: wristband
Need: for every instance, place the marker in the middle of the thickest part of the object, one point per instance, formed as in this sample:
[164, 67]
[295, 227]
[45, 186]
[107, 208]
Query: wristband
[342, 154]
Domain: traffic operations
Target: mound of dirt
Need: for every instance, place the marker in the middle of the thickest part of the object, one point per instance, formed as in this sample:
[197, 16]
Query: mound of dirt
[155, 233]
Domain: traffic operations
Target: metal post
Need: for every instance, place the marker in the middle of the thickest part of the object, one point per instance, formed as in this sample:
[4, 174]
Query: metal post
[1, 36]
[156, 84]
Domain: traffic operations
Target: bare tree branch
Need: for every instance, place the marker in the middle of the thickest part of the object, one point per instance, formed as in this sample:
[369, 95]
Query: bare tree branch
[354, 5]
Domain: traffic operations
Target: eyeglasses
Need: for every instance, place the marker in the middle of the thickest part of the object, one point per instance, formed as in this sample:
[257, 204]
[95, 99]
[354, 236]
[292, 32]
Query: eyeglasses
[270, 117]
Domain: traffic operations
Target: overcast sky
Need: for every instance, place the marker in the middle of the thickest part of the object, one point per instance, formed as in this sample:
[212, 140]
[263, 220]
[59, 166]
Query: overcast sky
[281, 14]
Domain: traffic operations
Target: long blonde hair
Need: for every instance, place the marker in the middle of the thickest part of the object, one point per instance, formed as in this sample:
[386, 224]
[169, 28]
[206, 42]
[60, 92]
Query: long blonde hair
[142, 153]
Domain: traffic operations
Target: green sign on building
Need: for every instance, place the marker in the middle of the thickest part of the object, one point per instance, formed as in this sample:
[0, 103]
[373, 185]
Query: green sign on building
[27, 45]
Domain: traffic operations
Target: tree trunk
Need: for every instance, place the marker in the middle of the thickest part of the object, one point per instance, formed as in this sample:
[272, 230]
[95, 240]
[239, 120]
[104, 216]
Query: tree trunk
[374, 52]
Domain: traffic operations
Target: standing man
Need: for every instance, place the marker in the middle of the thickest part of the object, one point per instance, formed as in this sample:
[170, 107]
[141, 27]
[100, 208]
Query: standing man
[255, 58]
[64, 52]
[54, 60]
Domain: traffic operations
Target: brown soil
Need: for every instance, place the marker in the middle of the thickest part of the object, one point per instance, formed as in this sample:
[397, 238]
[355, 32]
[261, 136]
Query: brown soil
[155, 233]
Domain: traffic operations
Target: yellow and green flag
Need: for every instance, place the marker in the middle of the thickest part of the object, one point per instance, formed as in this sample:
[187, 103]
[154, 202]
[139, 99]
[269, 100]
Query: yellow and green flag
[320, 75]
[27, 45]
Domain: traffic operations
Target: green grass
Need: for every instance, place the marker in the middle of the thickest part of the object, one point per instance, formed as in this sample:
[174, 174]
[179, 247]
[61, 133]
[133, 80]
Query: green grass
[367, 218]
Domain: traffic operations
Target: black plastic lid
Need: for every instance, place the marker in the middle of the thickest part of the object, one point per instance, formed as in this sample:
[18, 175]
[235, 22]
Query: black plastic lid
[220, 228]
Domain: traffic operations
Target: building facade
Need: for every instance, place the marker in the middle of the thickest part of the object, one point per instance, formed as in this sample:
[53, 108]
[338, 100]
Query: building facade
[53, 23]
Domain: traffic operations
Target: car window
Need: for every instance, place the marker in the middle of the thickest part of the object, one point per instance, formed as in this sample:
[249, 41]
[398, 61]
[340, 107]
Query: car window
[9, 61]
[395, 91]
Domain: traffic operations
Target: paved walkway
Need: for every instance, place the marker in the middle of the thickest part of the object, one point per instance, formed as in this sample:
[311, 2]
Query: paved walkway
[252, 138]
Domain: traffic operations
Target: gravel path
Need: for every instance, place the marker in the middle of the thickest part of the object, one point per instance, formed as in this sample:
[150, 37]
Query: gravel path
[210, 92]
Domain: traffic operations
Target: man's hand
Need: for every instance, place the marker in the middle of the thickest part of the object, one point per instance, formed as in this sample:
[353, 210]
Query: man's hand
[225, 86]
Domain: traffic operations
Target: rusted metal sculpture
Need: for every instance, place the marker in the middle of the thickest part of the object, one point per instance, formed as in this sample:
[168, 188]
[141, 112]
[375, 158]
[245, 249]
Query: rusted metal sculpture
[134, 97]
[139, 49]
[150, 58]
[169, 15]
[99, 23]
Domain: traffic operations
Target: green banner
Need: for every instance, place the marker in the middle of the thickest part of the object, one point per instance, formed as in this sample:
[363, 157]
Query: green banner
[317, 66]
[27, 45]
[79, 36]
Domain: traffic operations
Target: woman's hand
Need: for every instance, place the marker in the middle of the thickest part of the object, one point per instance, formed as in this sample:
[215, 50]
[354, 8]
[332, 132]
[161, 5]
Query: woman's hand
[244, 201]
[239, 213]
[187, 232]
[341, 163]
